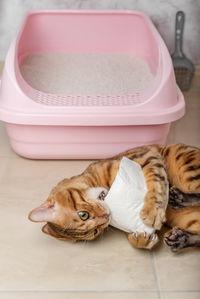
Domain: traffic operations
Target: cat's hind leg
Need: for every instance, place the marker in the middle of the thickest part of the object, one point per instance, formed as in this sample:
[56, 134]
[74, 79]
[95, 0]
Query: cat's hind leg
[183, 167]
[179, 239]
[187, 218]
[178, 199]
[143, 240]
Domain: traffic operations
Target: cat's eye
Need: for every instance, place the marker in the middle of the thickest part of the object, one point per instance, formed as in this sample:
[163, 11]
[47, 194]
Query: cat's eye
[95, 231]
[83, 215]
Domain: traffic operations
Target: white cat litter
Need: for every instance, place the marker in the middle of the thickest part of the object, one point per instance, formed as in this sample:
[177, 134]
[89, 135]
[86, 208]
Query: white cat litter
[126, 198]
[86, 73]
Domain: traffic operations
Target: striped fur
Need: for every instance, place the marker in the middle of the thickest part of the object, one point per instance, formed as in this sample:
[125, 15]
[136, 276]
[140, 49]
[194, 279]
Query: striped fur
[179, 164]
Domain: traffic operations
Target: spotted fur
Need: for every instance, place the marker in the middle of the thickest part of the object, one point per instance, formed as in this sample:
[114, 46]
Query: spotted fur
[179, 164]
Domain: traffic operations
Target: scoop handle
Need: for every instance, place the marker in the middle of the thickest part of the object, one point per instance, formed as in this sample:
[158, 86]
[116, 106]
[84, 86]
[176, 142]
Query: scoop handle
[180, 19]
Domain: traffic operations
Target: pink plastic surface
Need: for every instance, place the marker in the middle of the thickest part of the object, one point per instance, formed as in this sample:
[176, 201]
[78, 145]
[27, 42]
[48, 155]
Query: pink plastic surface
[72, 142]
[44, 125]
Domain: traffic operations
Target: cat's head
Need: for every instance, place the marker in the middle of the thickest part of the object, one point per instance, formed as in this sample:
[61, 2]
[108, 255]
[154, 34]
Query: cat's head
[73, 211]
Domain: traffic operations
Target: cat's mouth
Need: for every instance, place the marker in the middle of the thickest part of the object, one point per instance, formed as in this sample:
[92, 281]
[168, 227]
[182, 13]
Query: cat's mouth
[75, 234]
[57, 231]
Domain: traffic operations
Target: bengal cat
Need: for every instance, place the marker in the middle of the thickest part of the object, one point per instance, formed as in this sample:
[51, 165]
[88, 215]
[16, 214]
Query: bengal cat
[75, 209]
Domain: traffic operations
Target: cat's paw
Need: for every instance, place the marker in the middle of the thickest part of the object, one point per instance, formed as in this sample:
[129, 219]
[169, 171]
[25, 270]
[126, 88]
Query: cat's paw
[153, 216]
[143, 240]
[177, 239]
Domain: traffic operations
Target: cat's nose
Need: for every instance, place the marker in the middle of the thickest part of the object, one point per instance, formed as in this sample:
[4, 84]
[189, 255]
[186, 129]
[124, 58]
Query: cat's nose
[102, 195]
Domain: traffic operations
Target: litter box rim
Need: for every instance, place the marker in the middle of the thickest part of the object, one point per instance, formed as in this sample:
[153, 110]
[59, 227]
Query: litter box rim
[148, 113]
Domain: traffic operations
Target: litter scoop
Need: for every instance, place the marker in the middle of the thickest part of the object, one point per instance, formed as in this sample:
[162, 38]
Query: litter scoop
[183, 67]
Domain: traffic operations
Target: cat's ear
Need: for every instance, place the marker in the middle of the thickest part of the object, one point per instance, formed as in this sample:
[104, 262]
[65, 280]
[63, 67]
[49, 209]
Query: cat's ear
[97, 193]
[44, 213]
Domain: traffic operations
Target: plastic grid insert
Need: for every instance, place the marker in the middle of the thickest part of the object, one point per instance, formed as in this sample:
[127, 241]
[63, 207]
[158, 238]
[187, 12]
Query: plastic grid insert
[87, 100]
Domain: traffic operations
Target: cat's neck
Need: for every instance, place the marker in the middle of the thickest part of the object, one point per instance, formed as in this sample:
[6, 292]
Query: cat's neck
[102, 173]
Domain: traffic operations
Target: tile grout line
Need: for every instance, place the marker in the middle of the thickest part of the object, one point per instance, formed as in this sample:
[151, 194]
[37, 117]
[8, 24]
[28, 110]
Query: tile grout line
[98, 291]
[180, 291]
[155, 274]
[78, 291]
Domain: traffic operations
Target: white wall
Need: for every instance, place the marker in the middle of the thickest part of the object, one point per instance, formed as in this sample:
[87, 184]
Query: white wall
[162, 13]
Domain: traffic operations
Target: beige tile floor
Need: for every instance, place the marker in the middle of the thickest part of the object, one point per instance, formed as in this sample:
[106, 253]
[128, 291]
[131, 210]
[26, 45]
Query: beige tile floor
[35, 266]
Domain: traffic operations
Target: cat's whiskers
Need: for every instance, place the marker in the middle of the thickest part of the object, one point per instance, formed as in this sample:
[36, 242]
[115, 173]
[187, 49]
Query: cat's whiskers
[110, 228]
[85, 242]
[101, 235]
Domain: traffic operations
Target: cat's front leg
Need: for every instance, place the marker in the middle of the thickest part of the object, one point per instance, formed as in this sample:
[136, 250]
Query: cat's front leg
[153, 211]
[143, 240]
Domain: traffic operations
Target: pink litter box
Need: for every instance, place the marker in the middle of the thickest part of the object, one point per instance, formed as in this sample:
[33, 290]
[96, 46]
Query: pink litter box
[87, 85]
